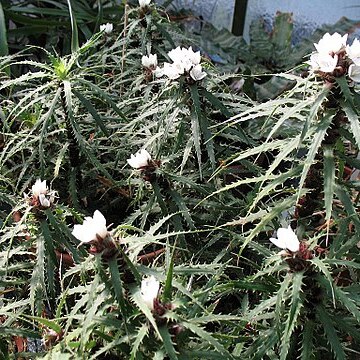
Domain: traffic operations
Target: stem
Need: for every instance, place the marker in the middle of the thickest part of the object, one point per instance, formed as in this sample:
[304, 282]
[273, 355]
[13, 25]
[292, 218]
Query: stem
[74, 151]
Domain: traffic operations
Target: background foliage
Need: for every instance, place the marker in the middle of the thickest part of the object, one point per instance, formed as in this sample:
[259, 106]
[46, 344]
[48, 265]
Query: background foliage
[235, 164]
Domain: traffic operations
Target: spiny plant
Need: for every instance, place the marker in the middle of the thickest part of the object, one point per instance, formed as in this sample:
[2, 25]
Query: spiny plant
[310, 141]
[180, 265]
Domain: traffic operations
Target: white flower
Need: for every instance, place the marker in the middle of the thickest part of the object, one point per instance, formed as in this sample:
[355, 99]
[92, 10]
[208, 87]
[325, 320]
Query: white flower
[40, 192]
[323, 62]
[108, 28]
[330, 44]
[186, 58]
[149, 291]
[140, 159]
[354, 73]
[149, 61]
[353, 51]
[143, 3]
[173, 71]
[196, 73]
[44, 201]
[184, 61]
[286, 239]
[176, 55]
[159, 72]
[194, 57]
[39, 188]
[91, 228]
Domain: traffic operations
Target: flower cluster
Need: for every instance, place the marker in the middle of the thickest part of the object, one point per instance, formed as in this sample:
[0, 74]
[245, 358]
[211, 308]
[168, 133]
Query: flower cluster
[40, 195]
[335, 57]
[184, 62]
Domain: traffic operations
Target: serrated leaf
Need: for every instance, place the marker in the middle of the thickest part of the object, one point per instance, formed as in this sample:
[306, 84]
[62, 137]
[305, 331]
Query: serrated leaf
[167, 342]
[293, 314]
[90, 108]
[316, 140]
[205, 336]
[51, 324]
[330, 332]
[141, 334]
[329, 180]
[353, 118]
[307, 346]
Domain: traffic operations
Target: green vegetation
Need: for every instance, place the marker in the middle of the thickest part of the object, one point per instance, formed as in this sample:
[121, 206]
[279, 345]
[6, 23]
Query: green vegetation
[144, 199]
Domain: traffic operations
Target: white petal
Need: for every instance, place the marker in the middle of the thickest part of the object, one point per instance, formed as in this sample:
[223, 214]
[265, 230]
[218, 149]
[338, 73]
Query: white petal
[323, 62]
[145, 61]
[149, 291]
[140, 159]
[91, 227]
[286, 239]
[149, 61]
[328, 63]
[194, 57]
[353, 51]
[176, 55]
[278, 242]
[143, 3]
[331, 43]
[158, 72]
[39, 187]
[100, 224]
[44, 201]
[354, 73]
[196, 73]
[108, 28]
[81, 233]
[173, 71]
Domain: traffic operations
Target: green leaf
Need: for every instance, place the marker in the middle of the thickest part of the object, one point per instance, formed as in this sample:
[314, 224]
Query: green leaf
[167, 342]
[329, 180]
[141, 333]
[345, 299]
[313, 114]
[205, 336]
[37, 282]
[349, 207]
[293, 314]
[281, 296]
[74, 29]
[4, 50]
[353, 118]
[316, 141]
[90, 108]
[116, 282]
[104, 96]
[195, 126]
[169, 276]
[307, 347]
[51, 324]
[330, 332]
[138, 300]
